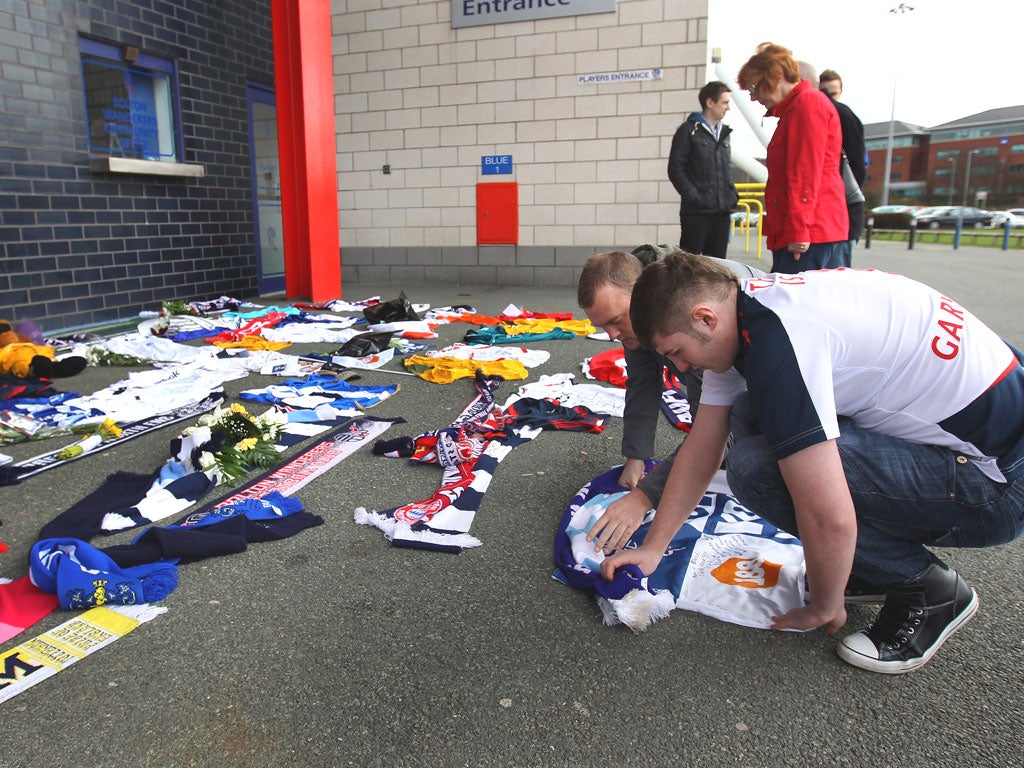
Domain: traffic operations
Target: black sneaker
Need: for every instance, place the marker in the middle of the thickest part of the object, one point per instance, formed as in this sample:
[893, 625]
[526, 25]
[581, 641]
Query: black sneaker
[859, 591]
[919, 615]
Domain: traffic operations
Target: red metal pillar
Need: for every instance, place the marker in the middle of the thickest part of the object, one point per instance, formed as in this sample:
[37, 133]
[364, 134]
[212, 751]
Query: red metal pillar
[304, 86]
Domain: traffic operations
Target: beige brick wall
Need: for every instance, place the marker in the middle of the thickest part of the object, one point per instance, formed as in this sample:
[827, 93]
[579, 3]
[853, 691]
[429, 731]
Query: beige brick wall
[430, 101]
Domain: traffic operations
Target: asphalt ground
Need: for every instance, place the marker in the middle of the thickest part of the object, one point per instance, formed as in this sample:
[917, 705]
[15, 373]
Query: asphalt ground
[334, 649]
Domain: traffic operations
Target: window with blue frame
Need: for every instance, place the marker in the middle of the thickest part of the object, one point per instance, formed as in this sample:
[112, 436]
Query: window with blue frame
[130, 102]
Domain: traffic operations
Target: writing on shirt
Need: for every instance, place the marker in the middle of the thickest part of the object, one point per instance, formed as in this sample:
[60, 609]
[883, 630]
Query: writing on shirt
[947, 341]
[757, 283]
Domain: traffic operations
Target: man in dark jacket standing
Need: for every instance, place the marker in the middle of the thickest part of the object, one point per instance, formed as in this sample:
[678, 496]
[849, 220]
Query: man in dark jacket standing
[853, 145]
[699, 169]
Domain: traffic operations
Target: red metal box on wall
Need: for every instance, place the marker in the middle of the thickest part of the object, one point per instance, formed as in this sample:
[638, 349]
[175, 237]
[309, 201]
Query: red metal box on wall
[497, 213]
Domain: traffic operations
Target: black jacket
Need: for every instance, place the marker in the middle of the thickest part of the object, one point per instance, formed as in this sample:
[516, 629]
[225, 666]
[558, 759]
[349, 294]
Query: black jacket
[699, 168]
[853, 146]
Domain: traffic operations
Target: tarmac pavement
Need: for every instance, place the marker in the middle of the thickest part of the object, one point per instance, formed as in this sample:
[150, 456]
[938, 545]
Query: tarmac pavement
[333, 648]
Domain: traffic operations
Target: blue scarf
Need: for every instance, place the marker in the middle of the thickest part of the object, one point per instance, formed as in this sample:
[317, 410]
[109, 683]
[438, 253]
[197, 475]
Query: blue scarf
[82, 576]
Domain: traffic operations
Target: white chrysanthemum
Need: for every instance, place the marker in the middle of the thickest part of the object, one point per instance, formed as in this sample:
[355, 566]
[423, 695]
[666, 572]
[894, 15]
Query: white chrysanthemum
[278, 418]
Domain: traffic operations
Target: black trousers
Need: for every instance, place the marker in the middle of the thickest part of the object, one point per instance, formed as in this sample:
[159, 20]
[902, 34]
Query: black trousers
[706, 233]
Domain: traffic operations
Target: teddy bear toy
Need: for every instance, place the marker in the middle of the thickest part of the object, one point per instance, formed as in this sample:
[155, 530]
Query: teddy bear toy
[21, 357]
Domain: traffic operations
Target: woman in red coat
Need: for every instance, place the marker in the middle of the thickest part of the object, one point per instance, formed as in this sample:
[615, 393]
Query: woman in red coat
[806, 222]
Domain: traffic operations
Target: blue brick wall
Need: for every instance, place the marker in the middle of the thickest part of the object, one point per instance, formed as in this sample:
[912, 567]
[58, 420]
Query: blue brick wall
[79, 247]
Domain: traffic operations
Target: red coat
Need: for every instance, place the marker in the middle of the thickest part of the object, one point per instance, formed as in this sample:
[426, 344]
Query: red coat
[805, 200]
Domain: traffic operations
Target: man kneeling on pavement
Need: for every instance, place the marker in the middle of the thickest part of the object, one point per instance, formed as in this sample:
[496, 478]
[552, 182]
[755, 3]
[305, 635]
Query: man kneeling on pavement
[873, 417]
[606, 283]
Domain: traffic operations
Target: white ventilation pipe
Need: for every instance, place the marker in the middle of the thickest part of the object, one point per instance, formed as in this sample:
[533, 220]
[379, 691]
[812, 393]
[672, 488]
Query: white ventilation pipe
[747, 164]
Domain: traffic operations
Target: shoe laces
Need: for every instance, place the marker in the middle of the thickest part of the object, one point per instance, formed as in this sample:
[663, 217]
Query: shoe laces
[896, 624]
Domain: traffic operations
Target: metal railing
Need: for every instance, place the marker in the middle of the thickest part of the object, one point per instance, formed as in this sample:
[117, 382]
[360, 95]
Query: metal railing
[751, 197]
[1005, 233]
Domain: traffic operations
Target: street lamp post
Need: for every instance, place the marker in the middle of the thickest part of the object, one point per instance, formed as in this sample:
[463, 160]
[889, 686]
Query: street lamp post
[899, 10]
[967, 176]
[952, 180]
[888, 146]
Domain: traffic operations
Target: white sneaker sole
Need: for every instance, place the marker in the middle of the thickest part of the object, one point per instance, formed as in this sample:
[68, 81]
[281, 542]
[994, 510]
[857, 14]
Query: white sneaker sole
[858, 659]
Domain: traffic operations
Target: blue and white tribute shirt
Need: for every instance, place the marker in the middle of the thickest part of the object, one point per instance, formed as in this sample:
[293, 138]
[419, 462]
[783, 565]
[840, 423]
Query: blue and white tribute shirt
[895, 356]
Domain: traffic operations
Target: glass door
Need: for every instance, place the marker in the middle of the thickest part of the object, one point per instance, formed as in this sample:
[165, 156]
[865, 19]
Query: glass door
[266, 192]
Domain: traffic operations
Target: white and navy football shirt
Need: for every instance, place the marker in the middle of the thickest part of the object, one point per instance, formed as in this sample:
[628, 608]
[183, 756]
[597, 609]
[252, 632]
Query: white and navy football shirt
[888, 352]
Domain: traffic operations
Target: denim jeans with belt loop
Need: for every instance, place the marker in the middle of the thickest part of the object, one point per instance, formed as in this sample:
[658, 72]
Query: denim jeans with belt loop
[906, 496]
[817, 256]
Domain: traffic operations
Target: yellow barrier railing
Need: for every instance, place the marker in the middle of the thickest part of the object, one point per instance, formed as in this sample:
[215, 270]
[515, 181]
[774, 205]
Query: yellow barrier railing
[751, 196]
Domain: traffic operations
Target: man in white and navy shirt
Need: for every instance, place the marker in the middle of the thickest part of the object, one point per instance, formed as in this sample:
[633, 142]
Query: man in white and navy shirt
[873, 417]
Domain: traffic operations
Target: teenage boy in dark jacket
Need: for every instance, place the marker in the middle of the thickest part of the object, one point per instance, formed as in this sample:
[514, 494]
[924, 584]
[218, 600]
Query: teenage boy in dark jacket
[853, 145]
[699, 169]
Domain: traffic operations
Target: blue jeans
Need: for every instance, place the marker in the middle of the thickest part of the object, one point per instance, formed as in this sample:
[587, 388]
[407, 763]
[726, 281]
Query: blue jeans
[818, 256]
[906, 496]
[848, 255]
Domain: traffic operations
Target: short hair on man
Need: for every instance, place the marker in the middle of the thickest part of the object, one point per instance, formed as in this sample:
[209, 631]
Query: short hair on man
[667, 290]
[807, 71]
[713, 91]
[616, 268]
[828, 76]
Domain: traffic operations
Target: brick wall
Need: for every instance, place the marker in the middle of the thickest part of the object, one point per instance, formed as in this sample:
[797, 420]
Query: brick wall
[79, 247]
[430, 101]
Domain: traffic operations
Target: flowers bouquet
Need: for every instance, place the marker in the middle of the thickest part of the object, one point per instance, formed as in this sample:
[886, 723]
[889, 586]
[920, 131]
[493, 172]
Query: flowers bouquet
[98, 356]
[170, 309]
[94, 435]
[232, 441]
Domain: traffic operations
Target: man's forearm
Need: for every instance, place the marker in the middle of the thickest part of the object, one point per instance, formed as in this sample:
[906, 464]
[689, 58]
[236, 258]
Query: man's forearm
[653, 483]
[825, 518]
[695, 465]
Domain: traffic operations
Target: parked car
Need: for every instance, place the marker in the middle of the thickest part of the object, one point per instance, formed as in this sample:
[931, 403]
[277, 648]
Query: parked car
[1001, 218]
[743, 217]
[948, 216]
[893, 216]
[1016, 211]
[888, 219]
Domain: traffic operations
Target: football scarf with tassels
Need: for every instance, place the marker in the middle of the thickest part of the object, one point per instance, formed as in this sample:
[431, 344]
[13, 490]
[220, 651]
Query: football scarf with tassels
[469, 451]
[724, 562]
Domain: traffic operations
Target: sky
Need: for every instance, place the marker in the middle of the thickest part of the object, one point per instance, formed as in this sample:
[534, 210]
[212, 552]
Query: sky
[947, 58]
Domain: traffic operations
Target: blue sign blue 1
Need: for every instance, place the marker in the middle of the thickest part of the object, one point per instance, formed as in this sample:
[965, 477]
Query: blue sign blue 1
[495, 164]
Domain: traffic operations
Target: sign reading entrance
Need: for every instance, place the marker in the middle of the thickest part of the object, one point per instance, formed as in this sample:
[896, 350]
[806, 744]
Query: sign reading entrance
[475, 13]
[491, 165]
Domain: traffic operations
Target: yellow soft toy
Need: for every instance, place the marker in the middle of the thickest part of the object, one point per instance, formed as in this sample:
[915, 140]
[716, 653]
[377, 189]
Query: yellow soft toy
[20, 357]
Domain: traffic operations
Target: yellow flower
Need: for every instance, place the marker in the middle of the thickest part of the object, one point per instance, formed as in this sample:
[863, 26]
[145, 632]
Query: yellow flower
[246, 445]
[239, 408]
[109, 430]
